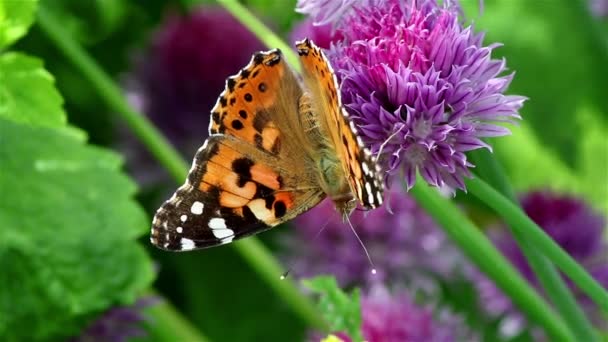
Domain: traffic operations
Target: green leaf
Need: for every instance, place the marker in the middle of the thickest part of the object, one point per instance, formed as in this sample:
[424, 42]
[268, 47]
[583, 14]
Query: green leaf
[68, 226]
[341, 311]
[531, 165]
[28, 93]
[16, 16]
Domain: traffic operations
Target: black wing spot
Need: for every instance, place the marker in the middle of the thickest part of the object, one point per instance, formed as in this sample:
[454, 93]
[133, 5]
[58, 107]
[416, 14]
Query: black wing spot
[237, 124]
[243, 114]
[231, 83]
[232, 101]
[216, 117]
[242, 167]
[223, 101]
[258, 58]
[267, 194]
[262, 87]
[279, 209]
[275, 59]
[248, 97]
[255, 73]
[245, 74]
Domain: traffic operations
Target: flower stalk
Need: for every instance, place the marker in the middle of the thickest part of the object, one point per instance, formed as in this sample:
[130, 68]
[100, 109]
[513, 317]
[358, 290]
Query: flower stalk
[553, 284]
[483, 253]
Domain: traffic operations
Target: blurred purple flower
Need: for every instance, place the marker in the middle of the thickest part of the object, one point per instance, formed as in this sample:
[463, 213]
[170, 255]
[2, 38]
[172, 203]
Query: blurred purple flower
[599, 8]
[422, 86]
[119, 324]
[404, 245]
[322, 35]
[178, 80]
[575, 227]
[388, 317]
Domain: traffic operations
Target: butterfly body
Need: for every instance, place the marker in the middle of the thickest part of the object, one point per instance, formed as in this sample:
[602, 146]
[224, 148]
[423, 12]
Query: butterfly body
[277, 147]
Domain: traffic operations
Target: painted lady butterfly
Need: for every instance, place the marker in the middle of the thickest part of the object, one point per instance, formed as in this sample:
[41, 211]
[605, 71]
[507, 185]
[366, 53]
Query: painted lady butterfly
[277, 147]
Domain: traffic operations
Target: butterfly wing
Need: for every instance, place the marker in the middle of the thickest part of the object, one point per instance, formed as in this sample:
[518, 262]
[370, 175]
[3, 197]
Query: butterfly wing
[251, 174]
[362, 172]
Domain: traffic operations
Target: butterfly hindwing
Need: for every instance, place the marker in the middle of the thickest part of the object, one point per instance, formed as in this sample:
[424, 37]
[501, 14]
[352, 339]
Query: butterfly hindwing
[232, 191]
[360, 169]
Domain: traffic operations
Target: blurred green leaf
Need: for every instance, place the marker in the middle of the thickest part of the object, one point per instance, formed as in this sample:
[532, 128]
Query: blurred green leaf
[90, 21]
[592, 159]
[16, 16]
[341, 311]
[28, 93]
[68, 226]
[559, 63]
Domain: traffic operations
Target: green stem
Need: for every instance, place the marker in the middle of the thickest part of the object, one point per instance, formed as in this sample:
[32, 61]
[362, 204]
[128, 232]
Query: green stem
[270, 270]
[260, 30]
[523, 226]
[167, 324]
[483, 253]
[251, 249]
[560, 295]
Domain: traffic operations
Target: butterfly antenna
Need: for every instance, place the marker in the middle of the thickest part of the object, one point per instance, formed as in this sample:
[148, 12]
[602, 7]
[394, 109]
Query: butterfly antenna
[369, 258]
[286, 273]
[387, 141]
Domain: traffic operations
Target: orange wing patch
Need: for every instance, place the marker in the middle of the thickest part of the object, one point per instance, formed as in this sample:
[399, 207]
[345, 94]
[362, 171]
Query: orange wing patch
[240, 110]
[244, 184]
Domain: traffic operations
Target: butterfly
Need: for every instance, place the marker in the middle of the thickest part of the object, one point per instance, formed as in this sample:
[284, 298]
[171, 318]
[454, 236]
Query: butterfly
[278, 144]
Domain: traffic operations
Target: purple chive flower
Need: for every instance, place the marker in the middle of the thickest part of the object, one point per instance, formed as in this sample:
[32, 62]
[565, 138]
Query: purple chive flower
[390, 317]
[322, 35]
[404, 245]
[179, 78]
[422, 89]
[118, 324]
[576, 228]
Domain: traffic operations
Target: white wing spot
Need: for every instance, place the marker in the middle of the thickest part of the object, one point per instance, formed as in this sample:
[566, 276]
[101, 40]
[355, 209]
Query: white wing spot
[187, 244]
[197, 208]
[365, 168]
[183, 218]
[370, 195]
[223, 233]
[179, 230]
[217, 223]
[228, 239]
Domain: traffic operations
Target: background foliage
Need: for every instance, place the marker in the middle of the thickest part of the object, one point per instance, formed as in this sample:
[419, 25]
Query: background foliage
[73, 227]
